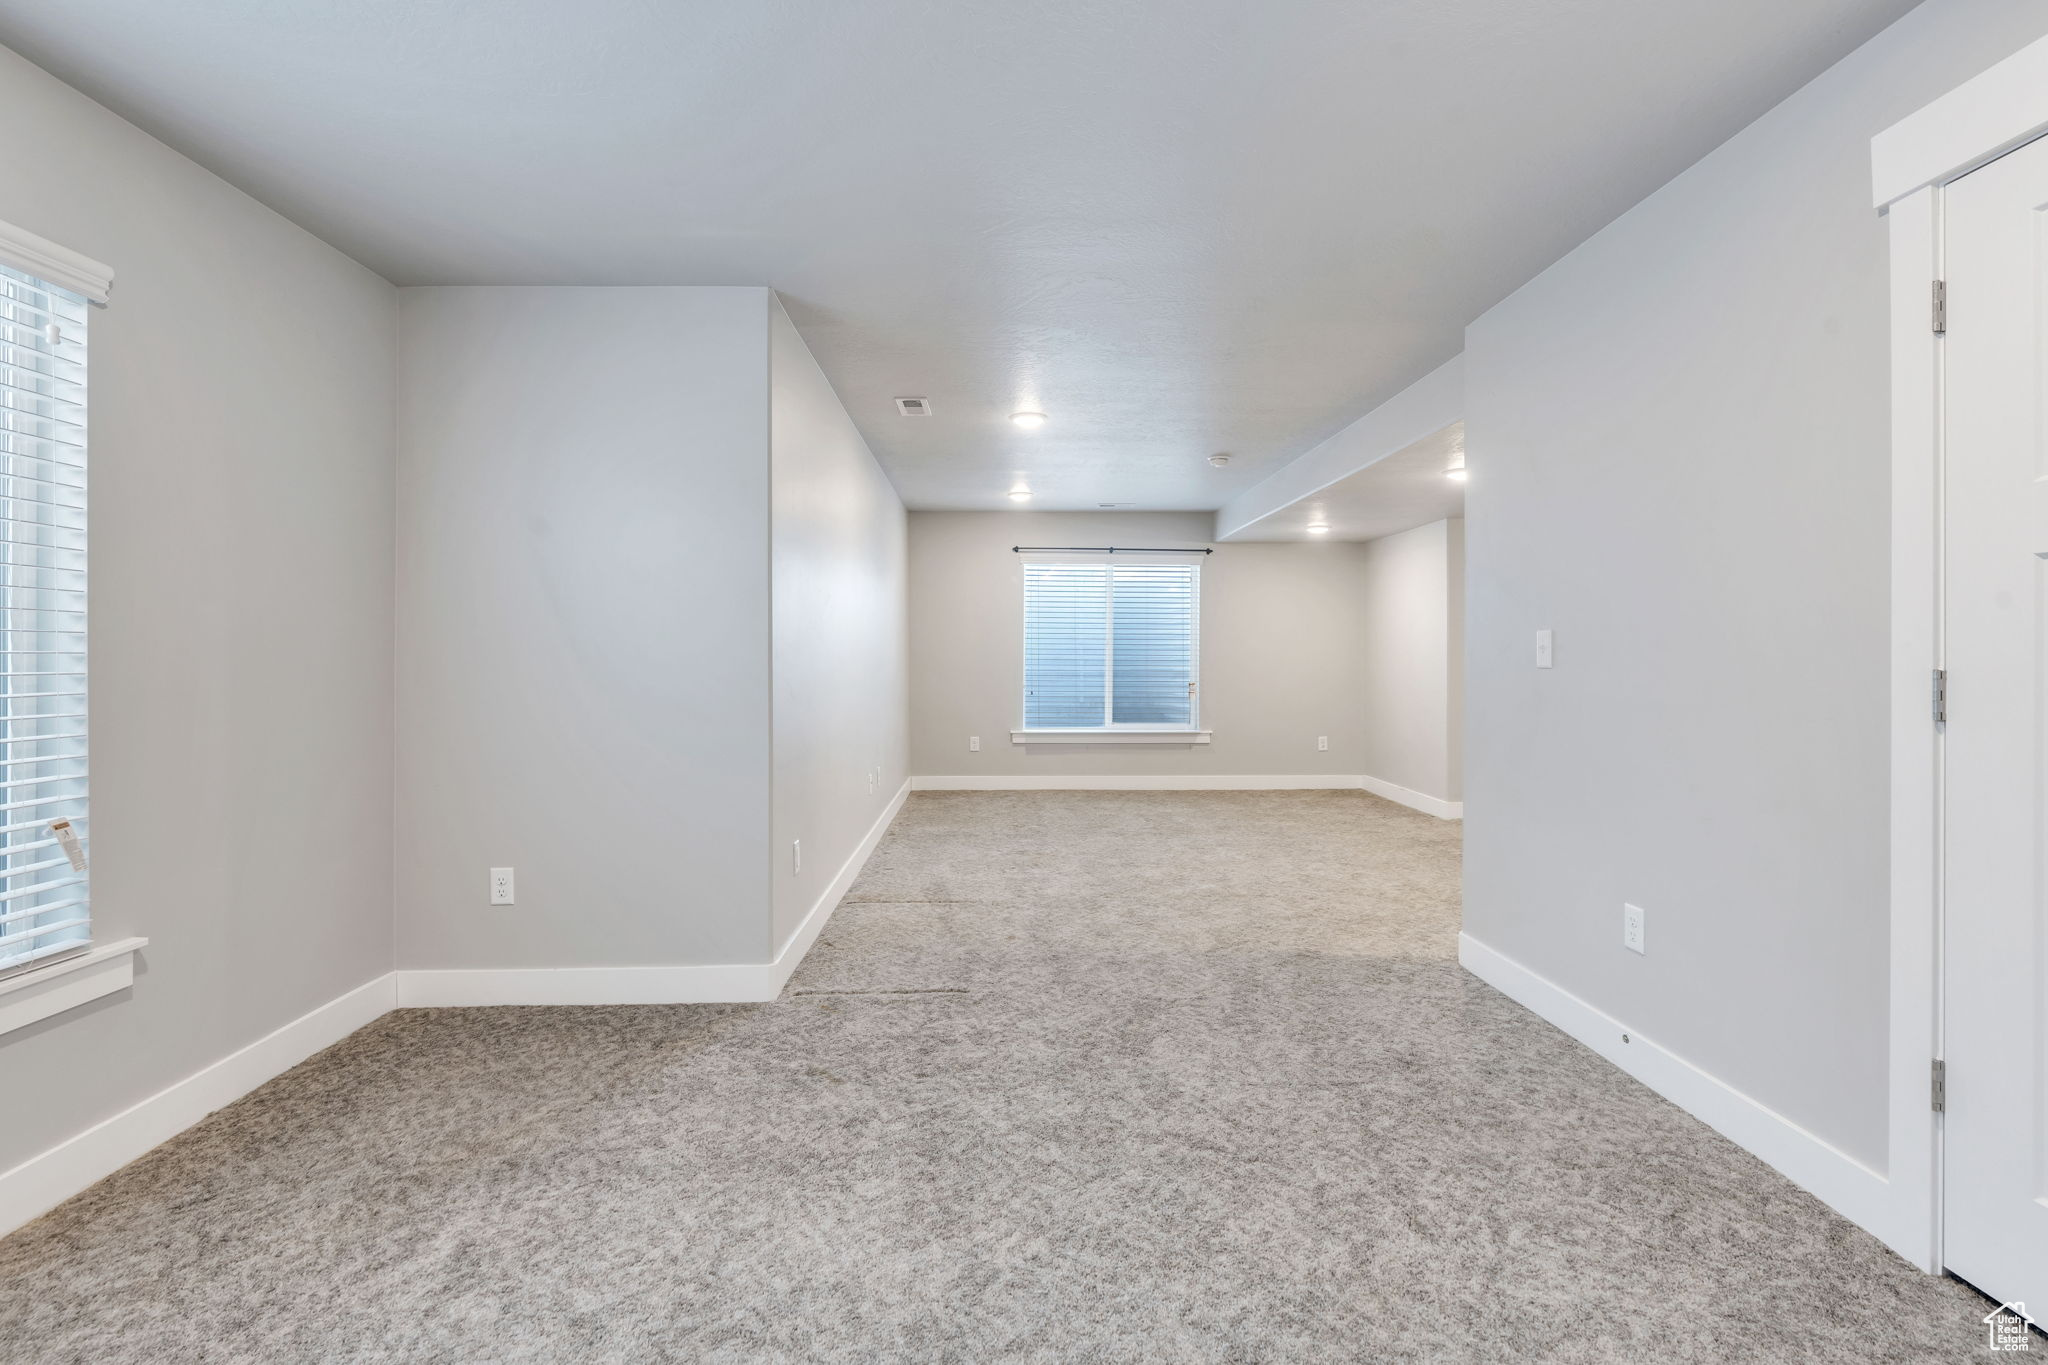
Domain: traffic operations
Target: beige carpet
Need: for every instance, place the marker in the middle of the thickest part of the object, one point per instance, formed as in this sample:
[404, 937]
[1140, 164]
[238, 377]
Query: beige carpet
[1178, 1077]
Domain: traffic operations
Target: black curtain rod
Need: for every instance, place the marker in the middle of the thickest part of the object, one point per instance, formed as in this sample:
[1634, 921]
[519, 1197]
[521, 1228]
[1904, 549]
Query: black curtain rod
[1103, 550]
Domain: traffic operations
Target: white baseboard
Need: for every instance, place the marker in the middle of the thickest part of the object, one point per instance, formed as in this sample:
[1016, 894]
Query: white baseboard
[1837, 1179]
[828, 900]
[692, 984]
[1407, 796]
[1221, 782]
[1209, 782]
[45, 1181]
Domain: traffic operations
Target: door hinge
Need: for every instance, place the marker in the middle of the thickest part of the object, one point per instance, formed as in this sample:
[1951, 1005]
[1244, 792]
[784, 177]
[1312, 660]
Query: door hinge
[1940, 696]
[1940, 307]
[1938, 1091]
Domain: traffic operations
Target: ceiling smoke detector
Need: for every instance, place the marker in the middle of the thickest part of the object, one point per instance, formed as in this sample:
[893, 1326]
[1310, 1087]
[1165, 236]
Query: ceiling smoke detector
[1219, 460]
[914, 407]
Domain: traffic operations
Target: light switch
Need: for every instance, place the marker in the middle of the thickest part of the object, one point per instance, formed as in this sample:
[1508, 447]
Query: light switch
[1543, 649]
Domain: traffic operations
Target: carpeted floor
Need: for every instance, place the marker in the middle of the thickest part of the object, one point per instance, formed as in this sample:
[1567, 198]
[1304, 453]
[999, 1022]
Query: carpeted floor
[1071, 1077]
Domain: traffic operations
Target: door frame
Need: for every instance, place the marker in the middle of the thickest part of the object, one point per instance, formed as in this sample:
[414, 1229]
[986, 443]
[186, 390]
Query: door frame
[1912, 163]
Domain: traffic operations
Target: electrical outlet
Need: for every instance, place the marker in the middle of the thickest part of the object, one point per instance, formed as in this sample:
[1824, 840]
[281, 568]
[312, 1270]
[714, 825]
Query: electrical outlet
[796, 856]
[501, 886]
[1322, 743]
[1545, 652]
[974, 744]
[1632, 928]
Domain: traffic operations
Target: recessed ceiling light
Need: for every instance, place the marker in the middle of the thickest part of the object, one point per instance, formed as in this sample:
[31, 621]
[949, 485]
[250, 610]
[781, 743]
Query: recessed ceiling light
[1219, 460]
[1020, 495]
[1030, 421]
[1319, 530]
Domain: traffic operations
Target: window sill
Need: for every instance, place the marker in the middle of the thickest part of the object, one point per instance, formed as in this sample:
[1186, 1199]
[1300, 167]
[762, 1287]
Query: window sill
[40, 992]
[1109, 736]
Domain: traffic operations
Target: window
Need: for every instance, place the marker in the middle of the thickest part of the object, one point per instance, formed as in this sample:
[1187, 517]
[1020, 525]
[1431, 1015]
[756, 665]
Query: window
[1110, 644]
[44, 908]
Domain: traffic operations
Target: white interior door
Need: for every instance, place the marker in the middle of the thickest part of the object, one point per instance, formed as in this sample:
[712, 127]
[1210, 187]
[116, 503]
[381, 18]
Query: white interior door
[1995, 1009]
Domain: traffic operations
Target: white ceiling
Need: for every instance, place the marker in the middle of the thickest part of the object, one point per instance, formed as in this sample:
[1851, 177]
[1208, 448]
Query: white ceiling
[1405, 490]
[1180, 227]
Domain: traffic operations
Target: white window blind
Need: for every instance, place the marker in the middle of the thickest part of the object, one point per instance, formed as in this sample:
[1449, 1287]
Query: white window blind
[1109, 644]
[43, 899]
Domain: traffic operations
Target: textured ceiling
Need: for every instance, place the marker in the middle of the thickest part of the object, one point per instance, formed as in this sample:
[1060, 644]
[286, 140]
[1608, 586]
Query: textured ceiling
[1180, 227]
[1405, 490]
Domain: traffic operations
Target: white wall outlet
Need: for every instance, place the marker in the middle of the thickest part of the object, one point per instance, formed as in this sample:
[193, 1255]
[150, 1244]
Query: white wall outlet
[1632, 928]
[1544, 650]
[1322, 743]
[974, 744]
[501, 886]
[796, 855]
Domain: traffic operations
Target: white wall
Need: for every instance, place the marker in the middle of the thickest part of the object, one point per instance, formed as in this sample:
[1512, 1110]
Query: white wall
[1409, 675]
[839, 635]
[1280, 633]
[240, 489]
[1678, 441]
[583, 628]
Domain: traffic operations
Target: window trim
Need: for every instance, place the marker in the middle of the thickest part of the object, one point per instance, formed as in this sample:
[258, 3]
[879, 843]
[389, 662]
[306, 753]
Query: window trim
[1128, 732]
[1112, 734]
[30, 996]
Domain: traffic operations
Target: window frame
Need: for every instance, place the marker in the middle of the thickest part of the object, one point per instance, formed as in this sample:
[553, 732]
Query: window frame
[1111, 730]
[92, 966]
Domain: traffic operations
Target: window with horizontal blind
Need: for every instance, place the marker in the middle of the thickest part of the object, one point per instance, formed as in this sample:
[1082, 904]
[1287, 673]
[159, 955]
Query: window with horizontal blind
[1109, 644]
[44, 905]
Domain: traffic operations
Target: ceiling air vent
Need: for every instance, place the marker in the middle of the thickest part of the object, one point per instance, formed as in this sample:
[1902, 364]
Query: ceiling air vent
[1116, 504]
[914, 407]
